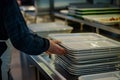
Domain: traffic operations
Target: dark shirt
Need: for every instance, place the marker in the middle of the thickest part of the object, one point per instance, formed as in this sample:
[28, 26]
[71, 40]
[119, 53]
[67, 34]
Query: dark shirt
[13, 26]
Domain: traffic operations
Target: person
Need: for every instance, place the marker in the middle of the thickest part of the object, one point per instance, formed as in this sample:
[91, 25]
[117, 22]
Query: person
[13, 28]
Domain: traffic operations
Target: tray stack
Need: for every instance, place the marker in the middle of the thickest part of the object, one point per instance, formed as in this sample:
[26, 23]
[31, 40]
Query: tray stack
[92, 9]
[107, 15]
[88, 53]
[43, 29]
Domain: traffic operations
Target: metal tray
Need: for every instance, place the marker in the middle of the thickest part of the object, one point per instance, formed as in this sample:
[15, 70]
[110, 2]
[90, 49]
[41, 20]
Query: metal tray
[94, 51]
[88, 66]
[73, 37]
[43, 29]
[88, 41]
[46, 27]
[86, 70]
[88, 11]
[93, 12]
[89, 61]
[79, 58]
[89, 45]
[95, 9]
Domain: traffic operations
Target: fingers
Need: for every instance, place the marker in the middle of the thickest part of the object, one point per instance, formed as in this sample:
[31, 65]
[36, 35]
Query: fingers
[56, 41]
[59, 50]
[55, 48]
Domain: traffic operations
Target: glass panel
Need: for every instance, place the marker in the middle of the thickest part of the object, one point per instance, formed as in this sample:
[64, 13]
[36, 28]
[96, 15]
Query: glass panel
[42, 4]
[102, 1]
[63, 3]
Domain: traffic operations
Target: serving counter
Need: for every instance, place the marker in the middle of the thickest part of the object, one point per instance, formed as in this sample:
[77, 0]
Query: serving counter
[53, 71]
[90, 23]
[50, 70]
[88, 53]
[114, 29]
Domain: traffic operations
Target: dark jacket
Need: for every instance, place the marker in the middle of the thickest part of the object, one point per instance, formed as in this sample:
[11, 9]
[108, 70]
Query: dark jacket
[13, 26]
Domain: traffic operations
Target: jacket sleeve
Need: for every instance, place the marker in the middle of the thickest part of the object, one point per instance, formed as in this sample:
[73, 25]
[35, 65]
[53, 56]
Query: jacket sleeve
[18, 32]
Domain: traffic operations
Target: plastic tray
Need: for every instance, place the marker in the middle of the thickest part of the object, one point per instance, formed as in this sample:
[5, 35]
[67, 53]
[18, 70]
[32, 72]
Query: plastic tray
[73, 37]
[43, 29]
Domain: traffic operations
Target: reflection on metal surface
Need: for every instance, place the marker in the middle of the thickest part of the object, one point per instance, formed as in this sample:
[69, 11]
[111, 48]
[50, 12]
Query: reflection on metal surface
[52, 73]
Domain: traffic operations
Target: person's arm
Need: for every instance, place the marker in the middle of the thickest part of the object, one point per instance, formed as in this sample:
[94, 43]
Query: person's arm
[20, 35]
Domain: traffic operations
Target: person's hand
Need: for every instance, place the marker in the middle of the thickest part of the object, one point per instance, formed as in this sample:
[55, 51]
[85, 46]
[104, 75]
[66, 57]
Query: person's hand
[55, 48]
[19, 2]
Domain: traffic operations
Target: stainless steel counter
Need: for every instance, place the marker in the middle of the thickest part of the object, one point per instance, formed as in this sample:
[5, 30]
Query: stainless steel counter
[90, 23]
[52, 71]
[81, 21]
[43, 65]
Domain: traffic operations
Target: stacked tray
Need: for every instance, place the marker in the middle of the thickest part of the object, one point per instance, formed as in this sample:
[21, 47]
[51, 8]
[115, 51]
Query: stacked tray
[108, 15]
[43, 29]
[85, 69]
[92, 11]
[88, 53]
